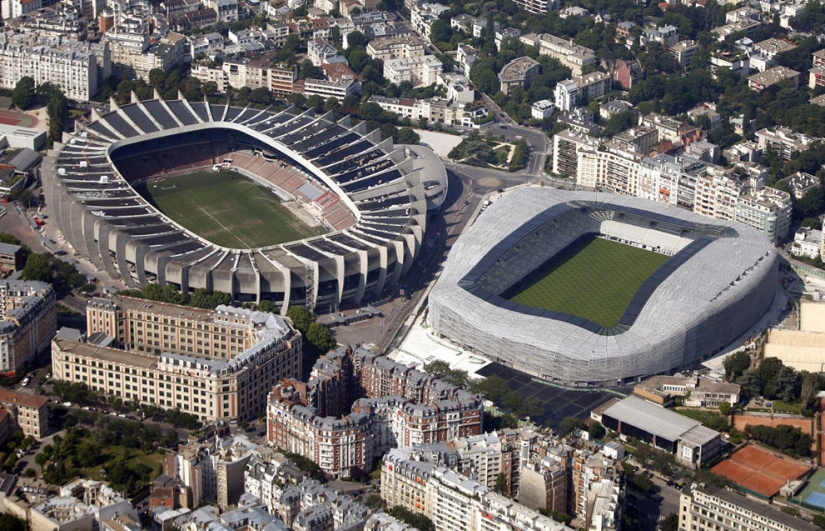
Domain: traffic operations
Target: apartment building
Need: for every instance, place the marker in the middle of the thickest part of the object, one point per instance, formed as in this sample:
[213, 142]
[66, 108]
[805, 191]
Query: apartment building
[566, 51]
[215, 365]
[667, 128]
[405, 47]
[418, 70]
[818, 58]
[538, 7]
[518, 73]
[566, 95]
[663, 177]
[282, 78]
[708, 508]
[766, 209]
[246, 72]
[612, 169]
[452, 500]
[638, 139]
[30, 413]
[783, 141]
[328, 89]
[78, 68]
[391, 405]
[214, 470]
[506, 33]
[320, 51]
[28, 321]
[800, 183]
[18, 8]
[717, 193]
[208, 74]
[775, 75]
[423, 15]
[434, 110]
[621, 166]
[683, 51]
[566, 145]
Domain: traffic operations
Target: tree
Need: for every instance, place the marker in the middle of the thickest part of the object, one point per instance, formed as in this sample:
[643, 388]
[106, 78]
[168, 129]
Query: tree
[375, 502]
[440, 32]
[316, 102]
[38, 267]
[643, 483]
[406, 135]
[501, 485]
[9, 522]
[418, 521]
[570, 424]
[331, 104]
[356, 39]
[736, 364]
[301, 318]
[670, 523]
[23, 94]
[596, 431]
[724, 408]
[320, 337]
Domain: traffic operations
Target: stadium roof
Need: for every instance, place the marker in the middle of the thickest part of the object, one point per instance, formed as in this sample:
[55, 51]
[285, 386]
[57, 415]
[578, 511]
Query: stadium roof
[721, 279]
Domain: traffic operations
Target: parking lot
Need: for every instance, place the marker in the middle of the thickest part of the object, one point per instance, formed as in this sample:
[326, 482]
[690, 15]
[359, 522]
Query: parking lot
[558, 402]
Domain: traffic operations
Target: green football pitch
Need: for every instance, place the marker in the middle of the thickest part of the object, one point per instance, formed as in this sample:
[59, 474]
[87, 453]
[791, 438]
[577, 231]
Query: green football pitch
[227, 209]
[593, 278]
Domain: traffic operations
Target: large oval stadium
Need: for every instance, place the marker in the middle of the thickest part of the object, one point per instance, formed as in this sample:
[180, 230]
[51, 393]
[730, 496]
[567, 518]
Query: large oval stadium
[290, 207]
[591, 289]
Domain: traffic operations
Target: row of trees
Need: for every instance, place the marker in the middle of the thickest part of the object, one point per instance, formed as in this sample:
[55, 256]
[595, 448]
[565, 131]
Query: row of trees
[787, 439]
[200, 298]
[80, 393]
[63, 276]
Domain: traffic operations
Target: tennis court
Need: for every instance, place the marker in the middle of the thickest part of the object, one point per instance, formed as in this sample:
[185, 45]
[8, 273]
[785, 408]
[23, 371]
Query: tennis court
[814, 492]
[759, 471]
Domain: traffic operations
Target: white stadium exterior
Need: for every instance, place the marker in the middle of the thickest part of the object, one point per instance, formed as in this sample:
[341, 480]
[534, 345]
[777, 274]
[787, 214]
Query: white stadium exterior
[720, 280]
[370, 195]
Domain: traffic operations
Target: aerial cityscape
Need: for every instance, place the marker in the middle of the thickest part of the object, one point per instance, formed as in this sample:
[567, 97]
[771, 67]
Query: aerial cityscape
[362, 265]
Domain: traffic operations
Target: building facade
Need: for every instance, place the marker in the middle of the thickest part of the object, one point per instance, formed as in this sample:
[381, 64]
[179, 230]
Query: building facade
[30, 413]
[566, 51]
[28, 321]
[212, 364]
[706, 508]
[78, 68]
[391, 405]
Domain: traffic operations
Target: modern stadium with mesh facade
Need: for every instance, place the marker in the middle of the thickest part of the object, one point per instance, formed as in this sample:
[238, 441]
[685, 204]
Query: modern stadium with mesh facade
[717, 279]
[368, 197]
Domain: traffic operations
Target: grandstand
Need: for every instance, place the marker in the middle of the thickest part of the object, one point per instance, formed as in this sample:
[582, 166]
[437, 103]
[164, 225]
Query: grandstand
[370, 195]
[719, 280]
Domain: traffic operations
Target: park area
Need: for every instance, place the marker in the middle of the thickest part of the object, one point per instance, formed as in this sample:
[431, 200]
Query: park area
[592, 278]
[226, 209]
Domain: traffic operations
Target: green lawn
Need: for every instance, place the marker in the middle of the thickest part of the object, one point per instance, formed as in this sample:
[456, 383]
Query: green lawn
[593, 278]
[227, 209]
